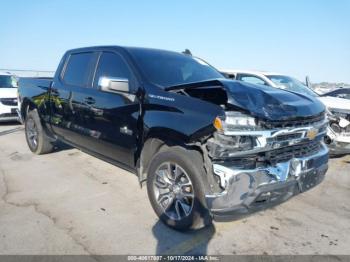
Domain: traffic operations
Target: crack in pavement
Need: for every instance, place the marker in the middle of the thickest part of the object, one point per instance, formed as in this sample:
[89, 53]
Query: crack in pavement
[42, 212]
[10, 131]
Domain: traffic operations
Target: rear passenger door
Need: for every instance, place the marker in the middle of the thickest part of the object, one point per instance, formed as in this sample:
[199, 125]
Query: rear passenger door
[109, 120]
[67, 90]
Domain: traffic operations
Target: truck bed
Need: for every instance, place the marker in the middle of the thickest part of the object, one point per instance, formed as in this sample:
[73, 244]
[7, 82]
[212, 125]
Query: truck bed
[33, 88]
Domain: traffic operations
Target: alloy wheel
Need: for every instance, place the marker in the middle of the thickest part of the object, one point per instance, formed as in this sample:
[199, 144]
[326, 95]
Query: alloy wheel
[32, 133]
[173, 190]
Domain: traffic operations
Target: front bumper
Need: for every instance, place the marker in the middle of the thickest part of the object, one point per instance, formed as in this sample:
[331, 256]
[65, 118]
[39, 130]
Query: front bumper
[254, 189]
[8, 113]
[9, 118]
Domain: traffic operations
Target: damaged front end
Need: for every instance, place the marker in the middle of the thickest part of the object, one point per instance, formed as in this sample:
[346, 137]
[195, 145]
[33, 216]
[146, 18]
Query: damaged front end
[268, 145]
[338, 133]
[260, 163]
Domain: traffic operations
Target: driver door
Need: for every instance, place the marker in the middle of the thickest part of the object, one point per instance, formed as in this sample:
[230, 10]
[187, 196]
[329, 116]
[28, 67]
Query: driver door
[109, 119]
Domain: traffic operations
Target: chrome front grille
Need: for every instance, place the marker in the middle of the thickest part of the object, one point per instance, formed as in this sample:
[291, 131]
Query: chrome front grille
[297, 151]
[310, 121]
[285, 137]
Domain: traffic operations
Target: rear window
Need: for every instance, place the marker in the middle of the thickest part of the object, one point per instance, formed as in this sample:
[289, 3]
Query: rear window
[78, 69]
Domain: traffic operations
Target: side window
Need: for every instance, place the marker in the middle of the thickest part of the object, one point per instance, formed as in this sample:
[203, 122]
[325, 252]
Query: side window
[112, 65]
[251, 79]
[77, 70]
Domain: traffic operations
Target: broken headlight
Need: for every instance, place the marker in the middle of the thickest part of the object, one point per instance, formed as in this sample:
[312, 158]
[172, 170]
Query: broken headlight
[236, 121]
[221, 146]
[340, 112]
[339, 120]
[233, 135]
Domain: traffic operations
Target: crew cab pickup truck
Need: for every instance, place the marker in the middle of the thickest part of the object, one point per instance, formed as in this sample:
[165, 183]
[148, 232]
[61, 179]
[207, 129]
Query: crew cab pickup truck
[206, 147]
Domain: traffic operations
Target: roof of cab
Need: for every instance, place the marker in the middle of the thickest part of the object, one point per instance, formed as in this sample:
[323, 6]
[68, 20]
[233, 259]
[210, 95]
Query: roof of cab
[116, 47]
[253, 72]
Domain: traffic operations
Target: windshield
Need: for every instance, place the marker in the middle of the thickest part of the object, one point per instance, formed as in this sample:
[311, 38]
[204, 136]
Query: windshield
[165, 68]
[291, 84]
[7, 82]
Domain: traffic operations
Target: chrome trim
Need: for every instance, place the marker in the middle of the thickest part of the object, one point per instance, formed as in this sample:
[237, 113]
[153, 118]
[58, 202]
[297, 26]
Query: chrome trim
[103, 81]
[276, 132]
[263, 136]
[106, 84]
[278, 173]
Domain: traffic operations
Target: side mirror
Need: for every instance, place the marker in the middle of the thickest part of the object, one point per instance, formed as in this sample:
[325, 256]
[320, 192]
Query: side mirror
[113, 84]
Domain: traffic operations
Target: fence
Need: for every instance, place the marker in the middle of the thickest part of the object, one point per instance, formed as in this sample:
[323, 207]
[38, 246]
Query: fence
[29, 73]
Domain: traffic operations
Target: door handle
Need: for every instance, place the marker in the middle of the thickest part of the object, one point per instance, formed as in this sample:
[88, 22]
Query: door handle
[96, 111]
[90, 100]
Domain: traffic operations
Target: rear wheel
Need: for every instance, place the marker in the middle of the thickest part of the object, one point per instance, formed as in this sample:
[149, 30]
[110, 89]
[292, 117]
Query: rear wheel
[37, 139]
[176, 188]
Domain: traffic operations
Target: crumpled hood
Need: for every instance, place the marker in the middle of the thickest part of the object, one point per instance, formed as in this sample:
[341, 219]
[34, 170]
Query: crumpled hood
[271, 103]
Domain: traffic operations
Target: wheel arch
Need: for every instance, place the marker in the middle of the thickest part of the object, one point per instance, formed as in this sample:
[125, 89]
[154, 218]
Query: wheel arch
[26, 106]
[155, 144]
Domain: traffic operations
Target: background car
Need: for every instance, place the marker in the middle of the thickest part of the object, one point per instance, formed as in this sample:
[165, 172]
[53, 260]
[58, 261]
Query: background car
[341, 93]
[8, 98]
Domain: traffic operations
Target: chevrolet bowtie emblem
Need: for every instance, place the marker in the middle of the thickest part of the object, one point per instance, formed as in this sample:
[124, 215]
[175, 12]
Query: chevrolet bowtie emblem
[312, 133]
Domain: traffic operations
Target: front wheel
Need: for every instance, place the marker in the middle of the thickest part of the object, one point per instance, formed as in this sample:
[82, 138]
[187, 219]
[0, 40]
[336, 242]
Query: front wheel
[176, 186]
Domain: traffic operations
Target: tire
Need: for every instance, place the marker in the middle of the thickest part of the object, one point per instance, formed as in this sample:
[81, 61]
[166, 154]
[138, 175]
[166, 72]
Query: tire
[187, 165]
[37, 139]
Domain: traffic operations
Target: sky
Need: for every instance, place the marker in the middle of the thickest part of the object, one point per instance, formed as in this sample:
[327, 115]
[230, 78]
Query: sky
[295, 37]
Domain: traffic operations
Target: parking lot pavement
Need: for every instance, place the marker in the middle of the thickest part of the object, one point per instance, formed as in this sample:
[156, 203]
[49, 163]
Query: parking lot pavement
[68, 202]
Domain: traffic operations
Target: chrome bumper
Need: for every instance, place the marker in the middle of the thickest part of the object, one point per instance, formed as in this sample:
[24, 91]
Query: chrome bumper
[251, 189]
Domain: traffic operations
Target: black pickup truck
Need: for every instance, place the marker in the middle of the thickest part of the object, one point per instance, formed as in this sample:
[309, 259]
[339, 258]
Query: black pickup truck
[206, 147]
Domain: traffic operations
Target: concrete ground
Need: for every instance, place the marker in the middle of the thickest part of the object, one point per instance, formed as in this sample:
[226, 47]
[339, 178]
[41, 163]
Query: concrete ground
[68, 202]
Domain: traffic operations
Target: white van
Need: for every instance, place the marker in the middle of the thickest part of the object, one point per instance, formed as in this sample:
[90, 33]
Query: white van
[8, 98]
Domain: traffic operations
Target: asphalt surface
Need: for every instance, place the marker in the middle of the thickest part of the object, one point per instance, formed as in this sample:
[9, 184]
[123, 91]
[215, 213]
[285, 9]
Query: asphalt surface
[68, 202]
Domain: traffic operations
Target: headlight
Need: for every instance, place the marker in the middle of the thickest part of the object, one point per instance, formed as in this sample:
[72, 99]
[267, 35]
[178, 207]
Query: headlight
[224, 145]
[235, 121]
[221, 146]
[339, 112]
[330, 116]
